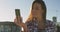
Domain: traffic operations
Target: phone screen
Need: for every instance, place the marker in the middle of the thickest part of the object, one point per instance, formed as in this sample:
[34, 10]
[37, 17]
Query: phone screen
[18, 16]
[17, 12]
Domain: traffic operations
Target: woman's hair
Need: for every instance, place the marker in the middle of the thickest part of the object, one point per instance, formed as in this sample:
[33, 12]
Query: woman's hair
[42, 5]
[40, 2]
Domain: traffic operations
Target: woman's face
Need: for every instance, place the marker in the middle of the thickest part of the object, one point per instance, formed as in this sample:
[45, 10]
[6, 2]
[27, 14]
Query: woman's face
[37, 9]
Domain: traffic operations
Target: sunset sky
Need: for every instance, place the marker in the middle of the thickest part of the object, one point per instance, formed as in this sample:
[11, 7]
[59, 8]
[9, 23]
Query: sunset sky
[7, 9]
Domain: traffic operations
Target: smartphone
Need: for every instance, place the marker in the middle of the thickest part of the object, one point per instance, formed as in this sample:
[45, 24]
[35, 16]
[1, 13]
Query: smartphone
[17, 12]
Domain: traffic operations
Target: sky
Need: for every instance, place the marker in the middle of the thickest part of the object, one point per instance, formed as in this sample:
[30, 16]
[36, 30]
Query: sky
[7, 9]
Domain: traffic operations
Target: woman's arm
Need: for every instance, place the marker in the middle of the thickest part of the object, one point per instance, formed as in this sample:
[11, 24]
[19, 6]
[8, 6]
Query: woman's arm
[21, 24]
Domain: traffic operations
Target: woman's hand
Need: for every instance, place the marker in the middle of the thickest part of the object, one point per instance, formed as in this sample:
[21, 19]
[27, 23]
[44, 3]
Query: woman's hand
[20, 23]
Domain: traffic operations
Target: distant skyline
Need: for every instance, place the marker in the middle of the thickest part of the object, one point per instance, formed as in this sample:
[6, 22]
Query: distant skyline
[7, 9]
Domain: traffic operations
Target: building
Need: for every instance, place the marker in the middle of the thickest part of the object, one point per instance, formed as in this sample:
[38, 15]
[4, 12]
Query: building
[55, 21]
[58, 26]
[9, 27]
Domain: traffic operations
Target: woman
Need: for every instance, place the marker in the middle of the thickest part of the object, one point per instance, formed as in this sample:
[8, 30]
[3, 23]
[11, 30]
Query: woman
[37, 18]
